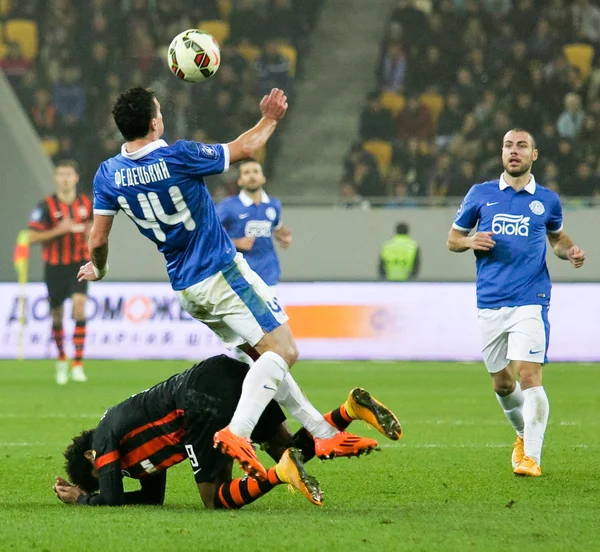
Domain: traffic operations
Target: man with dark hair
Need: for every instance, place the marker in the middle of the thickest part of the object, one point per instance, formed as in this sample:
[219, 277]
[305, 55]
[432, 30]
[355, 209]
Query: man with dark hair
[161, 188]
[514, 216]
[399, 259]
[61, 223]
[153, 430]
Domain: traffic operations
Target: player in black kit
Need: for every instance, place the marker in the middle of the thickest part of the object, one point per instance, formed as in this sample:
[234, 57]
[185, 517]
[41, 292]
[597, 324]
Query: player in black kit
[153, 430]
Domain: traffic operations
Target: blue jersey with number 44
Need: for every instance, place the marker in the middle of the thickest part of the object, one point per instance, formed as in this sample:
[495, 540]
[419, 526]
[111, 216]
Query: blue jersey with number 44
[514, 272]
[161, 188]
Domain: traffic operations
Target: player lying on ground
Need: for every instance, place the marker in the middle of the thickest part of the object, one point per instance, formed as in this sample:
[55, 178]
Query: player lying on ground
[153, 430]
[161, 188]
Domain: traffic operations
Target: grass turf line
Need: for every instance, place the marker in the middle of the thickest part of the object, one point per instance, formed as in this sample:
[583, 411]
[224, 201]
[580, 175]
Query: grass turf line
[447, 485]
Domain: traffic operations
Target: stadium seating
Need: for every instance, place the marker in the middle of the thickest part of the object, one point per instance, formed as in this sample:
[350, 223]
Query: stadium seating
[392, 101]
[289, 52]
[219, 29]
[225, 7]
[581, 56]
[249, 52]
[25, 33]
[382, 151]
[435, 104]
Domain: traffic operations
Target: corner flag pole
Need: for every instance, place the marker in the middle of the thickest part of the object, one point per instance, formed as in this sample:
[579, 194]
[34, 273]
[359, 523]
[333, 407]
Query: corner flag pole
[21, 261]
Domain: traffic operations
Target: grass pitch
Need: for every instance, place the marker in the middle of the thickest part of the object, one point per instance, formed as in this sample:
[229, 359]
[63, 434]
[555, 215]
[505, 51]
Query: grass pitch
[447, 485]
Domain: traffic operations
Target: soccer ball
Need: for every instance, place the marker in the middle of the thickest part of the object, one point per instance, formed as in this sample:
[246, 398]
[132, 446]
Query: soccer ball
[194, 56]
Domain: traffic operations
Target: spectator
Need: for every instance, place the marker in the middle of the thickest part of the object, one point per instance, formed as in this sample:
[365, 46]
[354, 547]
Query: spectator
[414, 121]
[547, 140]
[349, 197]
[430, 74]
[474, 35]
[43, 113]
[486, 107]
[526, 113]
[247, 23]
[466, 144]
[571, 119]
[566, 158]
[69, 97]
[367, 180]
[524, 17]
[273, 70]
[560, 18]
[451, 117]
[392, 72]
[584, 182]
[586, 21]
[542, 45]
[412, 21]
[376, 122]
[14, 64]
[465, 87]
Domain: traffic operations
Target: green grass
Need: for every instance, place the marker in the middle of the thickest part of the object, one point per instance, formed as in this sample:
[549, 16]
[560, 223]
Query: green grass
[447, 485]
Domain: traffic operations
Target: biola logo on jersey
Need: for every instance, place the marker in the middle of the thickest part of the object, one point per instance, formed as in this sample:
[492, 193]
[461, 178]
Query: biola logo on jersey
[510, 225]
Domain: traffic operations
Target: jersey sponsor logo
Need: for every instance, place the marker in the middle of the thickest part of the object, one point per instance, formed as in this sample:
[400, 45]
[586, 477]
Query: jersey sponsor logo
[209, 151]
[510, 225]
[271, 213]
[36, 215]
[258, 229]
[537, 207]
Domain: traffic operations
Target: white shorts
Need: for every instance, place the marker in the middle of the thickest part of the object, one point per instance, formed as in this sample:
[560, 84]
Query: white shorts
[235, 304]
[514, 333]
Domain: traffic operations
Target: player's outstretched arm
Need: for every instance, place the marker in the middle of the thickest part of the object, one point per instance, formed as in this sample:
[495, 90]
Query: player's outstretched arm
[284, 236]
[273, 108]
[97, 268]
[459, 241]
[565, 249]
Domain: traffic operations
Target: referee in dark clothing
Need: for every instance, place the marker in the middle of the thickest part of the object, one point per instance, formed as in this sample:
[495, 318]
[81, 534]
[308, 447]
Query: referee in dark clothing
[61, 223]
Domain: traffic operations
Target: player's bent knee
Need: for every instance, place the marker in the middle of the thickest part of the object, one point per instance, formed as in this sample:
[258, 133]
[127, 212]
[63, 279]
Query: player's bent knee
[504, 388]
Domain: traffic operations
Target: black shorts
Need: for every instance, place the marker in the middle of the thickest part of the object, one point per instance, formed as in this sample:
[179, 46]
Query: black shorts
[62, 283]
[212, 396]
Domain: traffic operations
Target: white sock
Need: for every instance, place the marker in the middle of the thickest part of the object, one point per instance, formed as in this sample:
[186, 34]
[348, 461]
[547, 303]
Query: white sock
[536, 410]
[259, 388]
[290, 396]
[513, 408]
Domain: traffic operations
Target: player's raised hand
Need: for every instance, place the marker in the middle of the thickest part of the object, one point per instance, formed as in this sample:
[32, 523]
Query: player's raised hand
[482, 241]
[576, 256]
[86, 272]
[274, 105]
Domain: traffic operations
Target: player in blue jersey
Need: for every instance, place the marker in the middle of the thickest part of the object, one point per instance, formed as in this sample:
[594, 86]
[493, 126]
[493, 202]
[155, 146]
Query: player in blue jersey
[252, 219]
[161, 188]
[514, 215]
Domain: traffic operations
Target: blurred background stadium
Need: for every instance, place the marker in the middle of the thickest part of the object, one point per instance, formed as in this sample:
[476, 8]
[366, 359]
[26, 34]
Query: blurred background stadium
[397, 107]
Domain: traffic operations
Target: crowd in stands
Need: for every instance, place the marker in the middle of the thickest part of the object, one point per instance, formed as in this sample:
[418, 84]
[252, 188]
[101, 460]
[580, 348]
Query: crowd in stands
[455, 75]
[68, 60]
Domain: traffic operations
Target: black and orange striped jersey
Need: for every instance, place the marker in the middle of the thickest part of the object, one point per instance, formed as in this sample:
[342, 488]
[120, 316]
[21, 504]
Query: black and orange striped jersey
[69, 248]
[153, 430]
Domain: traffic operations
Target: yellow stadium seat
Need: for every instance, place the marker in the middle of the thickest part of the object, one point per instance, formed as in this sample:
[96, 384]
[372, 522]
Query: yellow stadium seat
[435, 104]
[25, 33]
[382, 150]
[3, 50]
[261, 155]
[225, 7]
[289, 52]
[392, 101]
[249, 52]
[580, 55]
[50, 146]
[219, 29]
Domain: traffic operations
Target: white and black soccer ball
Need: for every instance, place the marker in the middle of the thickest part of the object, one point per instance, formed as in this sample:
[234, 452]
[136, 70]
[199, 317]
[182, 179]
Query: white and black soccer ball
[194, 56]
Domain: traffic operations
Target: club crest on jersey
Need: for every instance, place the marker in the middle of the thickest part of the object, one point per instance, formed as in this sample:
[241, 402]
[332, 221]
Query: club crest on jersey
[271, 213]
[537, 207]
[510, 225]
[209, 151]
